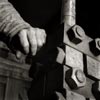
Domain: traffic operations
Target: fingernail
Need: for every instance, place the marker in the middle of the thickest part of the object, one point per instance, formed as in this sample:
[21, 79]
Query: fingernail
[18, 54]
[44, 41]
[26, 50]
[40, 43]
[33, 52]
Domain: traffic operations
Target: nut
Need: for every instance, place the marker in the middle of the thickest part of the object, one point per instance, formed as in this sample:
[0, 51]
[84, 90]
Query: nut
[95, 46]
[76, 34]
[75, 78]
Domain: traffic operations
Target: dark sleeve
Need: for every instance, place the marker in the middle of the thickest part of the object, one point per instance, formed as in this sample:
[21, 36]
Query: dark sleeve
[10, 20]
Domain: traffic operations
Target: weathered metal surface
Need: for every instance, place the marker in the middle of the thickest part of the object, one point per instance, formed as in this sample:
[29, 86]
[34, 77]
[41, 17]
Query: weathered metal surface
[83, 46]
[93, 67]
[74, 96]
[61, 56]
[75, 78]
[68, 12]
[76, 34]
[74, 58]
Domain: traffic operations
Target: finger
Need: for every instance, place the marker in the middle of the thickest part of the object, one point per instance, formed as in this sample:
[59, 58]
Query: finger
[43, 36]
[38, 37]
[18, 54]
[32, 41]
[24, 40]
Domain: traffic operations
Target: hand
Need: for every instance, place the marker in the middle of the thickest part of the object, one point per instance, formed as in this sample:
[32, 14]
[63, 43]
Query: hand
[31, 40]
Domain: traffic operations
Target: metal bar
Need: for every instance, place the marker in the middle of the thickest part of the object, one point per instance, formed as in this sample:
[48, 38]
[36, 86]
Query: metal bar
[69, 12]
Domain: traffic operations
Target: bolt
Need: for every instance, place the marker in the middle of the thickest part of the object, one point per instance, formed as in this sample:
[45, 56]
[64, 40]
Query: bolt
[76, 34]
[80, 76]
[75, 78]
[95, 46]
[98, 43]
[79, 31]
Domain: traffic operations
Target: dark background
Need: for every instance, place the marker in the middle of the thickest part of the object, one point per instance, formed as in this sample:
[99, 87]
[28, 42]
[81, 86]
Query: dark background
[88, 16]
[87, 13]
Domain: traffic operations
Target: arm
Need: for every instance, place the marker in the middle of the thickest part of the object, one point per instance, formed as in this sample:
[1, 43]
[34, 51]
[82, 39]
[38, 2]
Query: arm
[10, 20]
[11, 24]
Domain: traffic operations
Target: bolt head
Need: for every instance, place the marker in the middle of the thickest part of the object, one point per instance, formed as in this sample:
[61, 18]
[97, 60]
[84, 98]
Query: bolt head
[97, 42]
[80, 76]
[76, 79]
[95, 46]
[76, 34]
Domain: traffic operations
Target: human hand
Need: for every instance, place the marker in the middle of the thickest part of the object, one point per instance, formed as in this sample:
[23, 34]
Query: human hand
[31, 40]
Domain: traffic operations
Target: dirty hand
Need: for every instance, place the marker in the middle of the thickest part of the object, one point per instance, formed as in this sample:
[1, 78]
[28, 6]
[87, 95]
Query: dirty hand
[30, 40]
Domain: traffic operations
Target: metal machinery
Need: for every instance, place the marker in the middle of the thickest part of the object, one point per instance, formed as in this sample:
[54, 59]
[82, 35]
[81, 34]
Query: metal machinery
[80, 59]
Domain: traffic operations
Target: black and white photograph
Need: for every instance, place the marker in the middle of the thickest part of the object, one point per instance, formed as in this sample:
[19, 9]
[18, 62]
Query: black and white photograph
[49, 50]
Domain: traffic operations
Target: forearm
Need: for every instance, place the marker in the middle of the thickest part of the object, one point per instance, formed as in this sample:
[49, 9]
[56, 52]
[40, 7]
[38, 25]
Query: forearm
[10, 21]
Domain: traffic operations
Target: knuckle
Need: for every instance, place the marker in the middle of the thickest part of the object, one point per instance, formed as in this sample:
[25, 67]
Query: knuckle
[32, 40]
[44, 33]
[20, 34]
[22, 31]
[32, 33]
[43, 30]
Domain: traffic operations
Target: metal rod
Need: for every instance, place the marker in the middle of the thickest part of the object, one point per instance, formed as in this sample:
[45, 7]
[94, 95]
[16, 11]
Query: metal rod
[69, 12]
